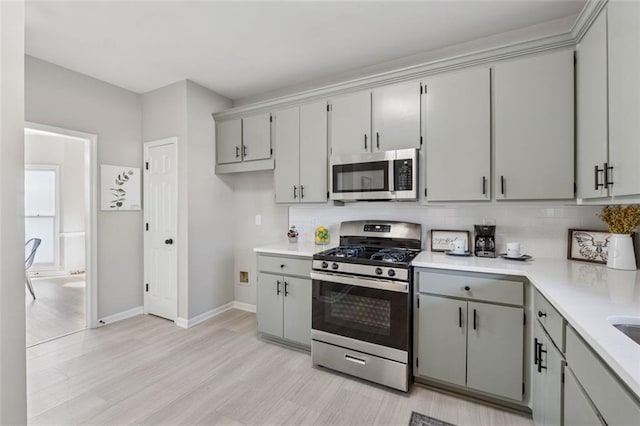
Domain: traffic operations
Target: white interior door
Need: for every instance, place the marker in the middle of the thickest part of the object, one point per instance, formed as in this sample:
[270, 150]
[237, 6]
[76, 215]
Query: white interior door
[161, 223]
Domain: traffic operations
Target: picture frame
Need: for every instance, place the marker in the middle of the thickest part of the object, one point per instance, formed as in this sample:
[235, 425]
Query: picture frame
[441, 240]
[587, 245]
[120, 188]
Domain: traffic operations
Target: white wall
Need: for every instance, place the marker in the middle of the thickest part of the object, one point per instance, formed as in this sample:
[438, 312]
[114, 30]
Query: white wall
[210, 207]
[253, 194]
[205, 212]
[13, 393]
[59, 97]
[68, 154]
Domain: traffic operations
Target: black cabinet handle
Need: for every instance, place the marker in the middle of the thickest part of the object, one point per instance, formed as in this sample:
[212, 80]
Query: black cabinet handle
[286, 288]
[169, 241]
[237, 152]
[484, 185]
[282, 266]
[365, 142]
[278, 287]
[301, 192]
[535, 351]
[541, 314]
[244, 150]
[475, 321]
[377, 140]
[596, 171]
[467, 288]
[607, 167]
[502, 185]
[540, 352]
[460, 316]
[295, 192]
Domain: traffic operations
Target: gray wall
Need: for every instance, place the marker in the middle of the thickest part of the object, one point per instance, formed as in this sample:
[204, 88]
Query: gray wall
[59, 97]
[205, 215]
[13, 393]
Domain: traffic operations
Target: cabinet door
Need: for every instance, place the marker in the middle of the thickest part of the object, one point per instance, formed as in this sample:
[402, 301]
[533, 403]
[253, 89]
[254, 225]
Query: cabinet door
[591, 110]
[457, 128]
[396, 116]
[297, 310]
[442, 339]
[256, 137]
[552, 363]
[533, 126]
[351, 124]
[287, 145]
[624, 96]
[538, 399]
[313, 152]
[494, 349]
[578, 410]
[228, 141]
[269, 294]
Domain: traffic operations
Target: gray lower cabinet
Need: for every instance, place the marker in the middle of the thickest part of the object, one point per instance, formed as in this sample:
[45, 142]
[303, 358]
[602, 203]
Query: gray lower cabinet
[546, 378]
[465, 341]
[578, 409]
[284, 299]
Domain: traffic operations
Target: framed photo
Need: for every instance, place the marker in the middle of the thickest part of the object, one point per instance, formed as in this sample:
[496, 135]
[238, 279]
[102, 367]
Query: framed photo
[442, 240]
[119, 188]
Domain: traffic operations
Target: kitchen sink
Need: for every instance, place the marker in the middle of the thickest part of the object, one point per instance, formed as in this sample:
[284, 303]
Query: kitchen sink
[629, 326]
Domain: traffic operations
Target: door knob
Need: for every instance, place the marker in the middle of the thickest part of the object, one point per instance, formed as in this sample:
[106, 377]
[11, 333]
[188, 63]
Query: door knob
[169, 241]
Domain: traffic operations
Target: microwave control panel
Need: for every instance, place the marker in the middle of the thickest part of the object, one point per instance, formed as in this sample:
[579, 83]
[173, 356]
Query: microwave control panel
[403, 174]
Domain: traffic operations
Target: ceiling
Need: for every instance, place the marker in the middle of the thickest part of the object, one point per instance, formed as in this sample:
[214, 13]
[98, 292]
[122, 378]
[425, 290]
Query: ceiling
[242, 49]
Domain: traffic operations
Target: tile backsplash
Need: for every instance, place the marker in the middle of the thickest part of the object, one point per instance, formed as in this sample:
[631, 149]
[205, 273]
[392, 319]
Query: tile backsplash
[541, 230]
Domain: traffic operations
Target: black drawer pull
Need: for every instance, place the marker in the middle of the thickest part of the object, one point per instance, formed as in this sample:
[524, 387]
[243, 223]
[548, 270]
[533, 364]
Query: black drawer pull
[365, 142]
[541, 314]
[460, 316]
[278, 287]
[475, 321]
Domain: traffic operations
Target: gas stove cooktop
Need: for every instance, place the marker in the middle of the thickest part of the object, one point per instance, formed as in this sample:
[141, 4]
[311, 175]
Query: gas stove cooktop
[397, 257]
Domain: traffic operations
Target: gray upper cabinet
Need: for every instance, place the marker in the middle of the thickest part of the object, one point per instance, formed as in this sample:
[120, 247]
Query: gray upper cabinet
[351, 124]
[456, 123]
[229, 141]
[396, 116]
[301, 154]
[256, 137]
[534, 127]
[591, 110]
[624, 96]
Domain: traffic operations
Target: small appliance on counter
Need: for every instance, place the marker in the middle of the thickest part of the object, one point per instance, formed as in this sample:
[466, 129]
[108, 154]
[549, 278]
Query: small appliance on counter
[485, 241]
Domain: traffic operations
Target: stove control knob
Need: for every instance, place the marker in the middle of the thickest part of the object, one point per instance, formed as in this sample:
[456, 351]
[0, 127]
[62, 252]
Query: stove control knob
[334, 266]
[391, 273]
[378, 271]
[325, 265]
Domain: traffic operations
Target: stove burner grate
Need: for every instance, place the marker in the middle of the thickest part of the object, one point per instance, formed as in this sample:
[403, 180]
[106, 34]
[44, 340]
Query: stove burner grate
[391, 255]
[346, 251]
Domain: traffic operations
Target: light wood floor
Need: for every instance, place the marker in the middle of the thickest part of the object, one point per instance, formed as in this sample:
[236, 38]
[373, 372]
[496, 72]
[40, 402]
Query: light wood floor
[58, 308]
[145, 370]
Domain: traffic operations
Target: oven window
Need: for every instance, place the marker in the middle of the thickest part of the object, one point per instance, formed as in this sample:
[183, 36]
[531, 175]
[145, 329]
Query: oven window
[361, 177]
[361, 313]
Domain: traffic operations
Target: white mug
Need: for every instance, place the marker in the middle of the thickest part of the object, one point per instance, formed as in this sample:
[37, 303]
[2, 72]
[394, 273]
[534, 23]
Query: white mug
[459, 246]
[513, 250]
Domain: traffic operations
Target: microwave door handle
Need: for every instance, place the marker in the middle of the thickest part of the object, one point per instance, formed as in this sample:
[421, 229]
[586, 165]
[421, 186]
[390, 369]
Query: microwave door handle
[392, 183]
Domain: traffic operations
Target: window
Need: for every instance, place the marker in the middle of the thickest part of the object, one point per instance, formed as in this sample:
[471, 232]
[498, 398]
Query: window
[41, 211]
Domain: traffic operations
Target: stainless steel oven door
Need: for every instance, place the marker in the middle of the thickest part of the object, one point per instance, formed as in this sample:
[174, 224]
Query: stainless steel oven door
[374, 311]
[363, 176]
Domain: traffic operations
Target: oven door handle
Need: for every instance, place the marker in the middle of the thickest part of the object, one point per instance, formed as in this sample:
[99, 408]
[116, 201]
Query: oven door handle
[398, 286]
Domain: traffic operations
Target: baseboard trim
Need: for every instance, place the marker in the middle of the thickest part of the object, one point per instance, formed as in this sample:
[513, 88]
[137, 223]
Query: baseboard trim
[244, 306]
[120, 316]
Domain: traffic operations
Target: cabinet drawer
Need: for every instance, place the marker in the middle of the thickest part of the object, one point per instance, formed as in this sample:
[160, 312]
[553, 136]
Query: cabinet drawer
[490, 288]
[616, 405]
[550, 319]
[284, 265]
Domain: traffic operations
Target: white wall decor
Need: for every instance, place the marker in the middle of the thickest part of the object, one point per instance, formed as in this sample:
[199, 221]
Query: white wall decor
[119, 188]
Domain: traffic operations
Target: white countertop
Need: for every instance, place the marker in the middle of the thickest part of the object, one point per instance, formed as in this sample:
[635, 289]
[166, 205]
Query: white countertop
[303, 249]
[585, 294]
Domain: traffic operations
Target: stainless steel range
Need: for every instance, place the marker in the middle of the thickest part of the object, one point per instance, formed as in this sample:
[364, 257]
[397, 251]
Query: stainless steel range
[361, 312]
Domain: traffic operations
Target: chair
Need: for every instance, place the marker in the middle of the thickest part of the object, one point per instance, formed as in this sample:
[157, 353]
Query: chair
[34, 243]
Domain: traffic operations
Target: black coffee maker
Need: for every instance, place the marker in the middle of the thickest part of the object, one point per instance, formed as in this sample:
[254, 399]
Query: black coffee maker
[485, 240]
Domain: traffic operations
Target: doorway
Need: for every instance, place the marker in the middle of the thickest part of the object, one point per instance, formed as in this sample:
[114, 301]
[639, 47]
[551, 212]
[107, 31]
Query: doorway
[61, 213]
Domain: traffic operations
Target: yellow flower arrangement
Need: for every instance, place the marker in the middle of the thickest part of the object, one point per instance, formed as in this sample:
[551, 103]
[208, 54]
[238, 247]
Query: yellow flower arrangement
[621, 219]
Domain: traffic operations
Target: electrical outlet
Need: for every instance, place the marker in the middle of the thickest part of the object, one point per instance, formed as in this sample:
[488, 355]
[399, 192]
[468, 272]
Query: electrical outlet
[258, 219]
[314, 222]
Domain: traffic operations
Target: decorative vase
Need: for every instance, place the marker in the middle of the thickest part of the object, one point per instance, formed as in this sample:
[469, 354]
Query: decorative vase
[621, 254]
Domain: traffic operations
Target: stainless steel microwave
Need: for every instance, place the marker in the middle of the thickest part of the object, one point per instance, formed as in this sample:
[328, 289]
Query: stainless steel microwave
[385, 175]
